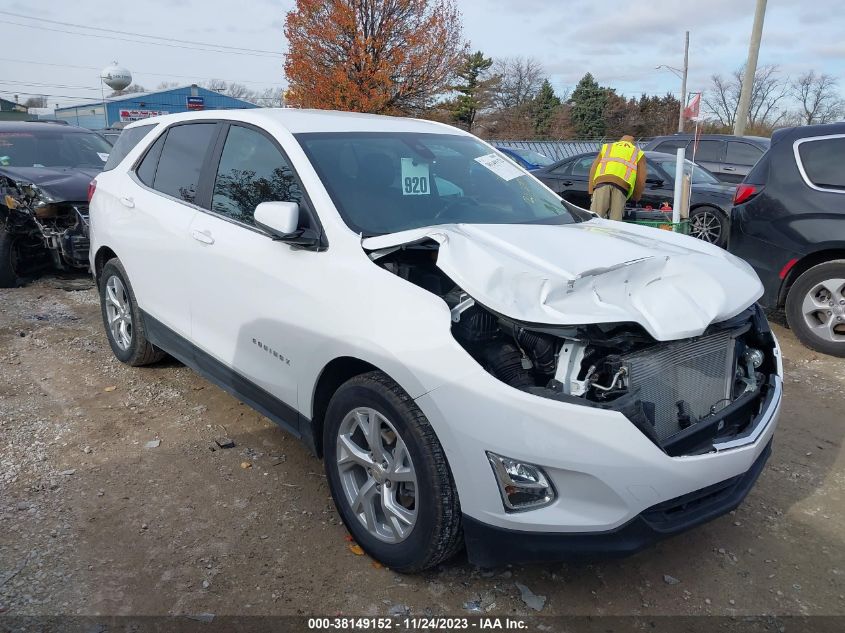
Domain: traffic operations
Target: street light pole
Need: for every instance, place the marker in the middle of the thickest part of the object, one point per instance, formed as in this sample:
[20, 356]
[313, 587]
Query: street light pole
[684, 85]
[750, 69]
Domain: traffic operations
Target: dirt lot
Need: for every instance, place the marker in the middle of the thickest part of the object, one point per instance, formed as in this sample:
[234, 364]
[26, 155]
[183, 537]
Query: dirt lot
[94, 520]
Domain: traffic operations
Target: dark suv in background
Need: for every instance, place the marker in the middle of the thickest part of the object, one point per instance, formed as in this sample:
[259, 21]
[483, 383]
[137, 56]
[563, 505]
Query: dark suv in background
[788, 222]
[727, 157]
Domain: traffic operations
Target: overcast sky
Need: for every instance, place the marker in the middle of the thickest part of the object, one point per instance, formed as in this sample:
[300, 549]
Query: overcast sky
[620, 46]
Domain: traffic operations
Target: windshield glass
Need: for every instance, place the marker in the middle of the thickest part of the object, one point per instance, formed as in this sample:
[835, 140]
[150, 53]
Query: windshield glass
[531, 156]
[53, 148]
[699, 176]
[389, 182]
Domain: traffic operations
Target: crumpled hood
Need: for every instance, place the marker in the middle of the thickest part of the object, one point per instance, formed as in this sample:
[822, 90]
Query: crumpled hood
[591, 272]
[62, 184]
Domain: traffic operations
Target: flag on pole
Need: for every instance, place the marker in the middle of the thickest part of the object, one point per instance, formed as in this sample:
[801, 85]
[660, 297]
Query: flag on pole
[693, 109]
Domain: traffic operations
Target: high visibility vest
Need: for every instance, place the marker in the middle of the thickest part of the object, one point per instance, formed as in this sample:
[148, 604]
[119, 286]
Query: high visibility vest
[620, 159]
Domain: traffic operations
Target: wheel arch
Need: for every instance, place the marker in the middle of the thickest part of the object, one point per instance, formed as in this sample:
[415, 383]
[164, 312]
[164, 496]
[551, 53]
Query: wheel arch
[804, 264]
[333, 375]
[104, 254]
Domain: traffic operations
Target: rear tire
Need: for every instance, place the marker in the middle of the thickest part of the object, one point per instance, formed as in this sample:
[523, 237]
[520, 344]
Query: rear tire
[709, 224]
[9, 277]
[815, 308]
[406, 510]
[122, 318]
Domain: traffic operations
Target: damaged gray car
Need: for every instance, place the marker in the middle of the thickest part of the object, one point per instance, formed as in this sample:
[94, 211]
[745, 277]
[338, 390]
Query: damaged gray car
[45, 173]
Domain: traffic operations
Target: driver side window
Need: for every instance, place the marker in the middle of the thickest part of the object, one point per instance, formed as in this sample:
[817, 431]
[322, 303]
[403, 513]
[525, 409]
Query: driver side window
[251, 171]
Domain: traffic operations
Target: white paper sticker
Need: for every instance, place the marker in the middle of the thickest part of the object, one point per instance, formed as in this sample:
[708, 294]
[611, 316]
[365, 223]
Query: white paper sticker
[502, 167]
[416, 179]
[103, 157]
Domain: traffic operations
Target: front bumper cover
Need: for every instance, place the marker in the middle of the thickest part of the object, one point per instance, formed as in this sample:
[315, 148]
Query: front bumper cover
[490, 546]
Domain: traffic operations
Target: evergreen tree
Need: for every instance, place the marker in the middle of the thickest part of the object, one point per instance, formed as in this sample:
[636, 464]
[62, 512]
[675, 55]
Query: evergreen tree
[544, 107]
[473, 91]
[588, 102]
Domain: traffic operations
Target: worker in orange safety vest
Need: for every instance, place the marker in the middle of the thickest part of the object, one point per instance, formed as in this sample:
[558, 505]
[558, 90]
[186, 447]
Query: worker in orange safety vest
[617, 175]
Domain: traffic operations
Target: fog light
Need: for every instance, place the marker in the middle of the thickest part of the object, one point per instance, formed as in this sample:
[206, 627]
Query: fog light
[754, 356]
[523, 486]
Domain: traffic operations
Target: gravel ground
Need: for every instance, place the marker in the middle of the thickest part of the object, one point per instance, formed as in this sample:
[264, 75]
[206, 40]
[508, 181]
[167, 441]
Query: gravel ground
[113, 502]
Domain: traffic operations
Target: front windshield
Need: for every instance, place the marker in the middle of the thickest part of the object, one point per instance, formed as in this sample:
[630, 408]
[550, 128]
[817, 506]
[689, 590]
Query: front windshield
[532, 157]
[699, 176]
[385, 182]
[53, 148]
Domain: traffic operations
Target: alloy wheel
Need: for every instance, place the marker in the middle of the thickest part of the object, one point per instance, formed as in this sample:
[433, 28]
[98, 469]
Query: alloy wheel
[706, 226]
[824, 310]
[377, 475]
[119, 312]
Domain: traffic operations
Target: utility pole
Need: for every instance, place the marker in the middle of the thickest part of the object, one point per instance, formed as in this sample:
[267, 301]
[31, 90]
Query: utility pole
[750, 69]
[684, 85]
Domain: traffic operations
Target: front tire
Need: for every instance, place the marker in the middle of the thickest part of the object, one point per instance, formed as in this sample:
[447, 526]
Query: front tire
[122, 318]
[815, 308]
[709, 224]
[389, 476]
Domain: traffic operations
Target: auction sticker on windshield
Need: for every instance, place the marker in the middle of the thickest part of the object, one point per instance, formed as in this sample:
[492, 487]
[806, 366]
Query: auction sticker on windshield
[415, 177]
[503, 168]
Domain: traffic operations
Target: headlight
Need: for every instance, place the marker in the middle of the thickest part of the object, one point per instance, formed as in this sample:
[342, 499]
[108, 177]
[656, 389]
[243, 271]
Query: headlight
[523, 486]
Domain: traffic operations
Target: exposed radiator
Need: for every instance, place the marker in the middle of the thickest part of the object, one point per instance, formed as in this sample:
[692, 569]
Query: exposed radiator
[698, 372]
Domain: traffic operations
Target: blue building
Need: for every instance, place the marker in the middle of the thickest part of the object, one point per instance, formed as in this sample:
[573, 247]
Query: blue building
[142, 105]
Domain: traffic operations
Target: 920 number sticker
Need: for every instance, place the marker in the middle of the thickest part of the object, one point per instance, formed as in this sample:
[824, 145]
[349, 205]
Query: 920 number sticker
[415, 178]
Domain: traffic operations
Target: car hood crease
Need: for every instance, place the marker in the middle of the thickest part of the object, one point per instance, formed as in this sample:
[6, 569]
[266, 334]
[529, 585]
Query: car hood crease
[592, 272]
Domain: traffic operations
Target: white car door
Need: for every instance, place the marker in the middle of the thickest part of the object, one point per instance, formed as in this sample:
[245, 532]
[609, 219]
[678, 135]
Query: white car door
[159, 207]
[251, 295]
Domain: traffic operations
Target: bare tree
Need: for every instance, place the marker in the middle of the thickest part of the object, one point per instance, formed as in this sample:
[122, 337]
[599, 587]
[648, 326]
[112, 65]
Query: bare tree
[270, 98]
[36, 102]
[232, 89]
[130, 89]
[167, 85]
[767, 95]
[520, 79]
[818, 97]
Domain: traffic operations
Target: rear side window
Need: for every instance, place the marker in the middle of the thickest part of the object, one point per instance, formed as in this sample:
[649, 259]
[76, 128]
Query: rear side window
[125, 143]
[710, 151]
[671, 147]
[821, 162]
[178, 171]
[743, 153]
[581, 167]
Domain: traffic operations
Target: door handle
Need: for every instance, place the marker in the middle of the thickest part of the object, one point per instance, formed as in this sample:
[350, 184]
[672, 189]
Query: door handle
[726, 168]
[202, 236]
[567, 183]
[127, 202]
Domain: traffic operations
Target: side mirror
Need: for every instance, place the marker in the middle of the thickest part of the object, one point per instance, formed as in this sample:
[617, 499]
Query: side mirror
[281, 221]
[655, 182]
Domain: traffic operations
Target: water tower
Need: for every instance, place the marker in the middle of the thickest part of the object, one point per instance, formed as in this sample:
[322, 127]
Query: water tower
[116, 77]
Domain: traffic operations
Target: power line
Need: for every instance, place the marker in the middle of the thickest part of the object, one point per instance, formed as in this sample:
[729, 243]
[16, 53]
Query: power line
[143, 72]
[157, 37]
[39, 84]
[123, 39]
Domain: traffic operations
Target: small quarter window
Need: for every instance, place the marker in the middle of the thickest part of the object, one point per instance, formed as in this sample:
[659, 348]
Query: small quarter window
[822, 162]
[125, 143]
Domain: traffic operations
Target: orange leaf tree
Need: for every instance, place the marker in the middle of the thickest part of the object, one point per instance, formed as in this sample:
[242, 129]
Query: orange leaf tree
[383, 56]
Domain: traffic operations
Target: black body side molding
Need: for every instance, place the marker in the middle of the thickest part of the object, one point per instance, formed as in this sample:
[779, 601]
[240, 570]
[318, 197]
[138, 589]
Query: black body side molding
[229, 380]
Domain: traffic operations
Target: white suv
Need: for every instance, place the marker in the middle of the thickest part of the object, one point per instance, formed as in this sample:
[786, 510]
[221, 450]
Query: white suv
[477, 362]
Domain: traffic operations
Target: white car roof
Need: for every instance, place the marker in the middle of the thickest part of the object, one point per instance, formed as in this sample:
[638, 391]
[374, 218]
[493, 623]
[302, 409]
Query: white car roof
[299, 121]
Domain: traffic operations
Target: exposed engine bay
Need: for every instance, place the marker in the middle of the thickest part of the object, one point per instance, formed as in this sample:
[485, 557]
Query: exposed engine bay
[45, 232]
[682, 394]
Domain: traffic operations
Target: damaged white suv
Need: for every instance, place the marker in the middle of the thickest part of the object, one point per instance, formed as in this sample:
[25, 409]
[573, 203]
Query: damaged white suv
[477, 362]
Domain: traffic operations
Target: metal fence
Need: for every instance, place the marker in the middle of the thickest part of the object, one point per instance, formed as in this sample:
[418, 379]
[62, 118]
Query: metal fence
[556, 150]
